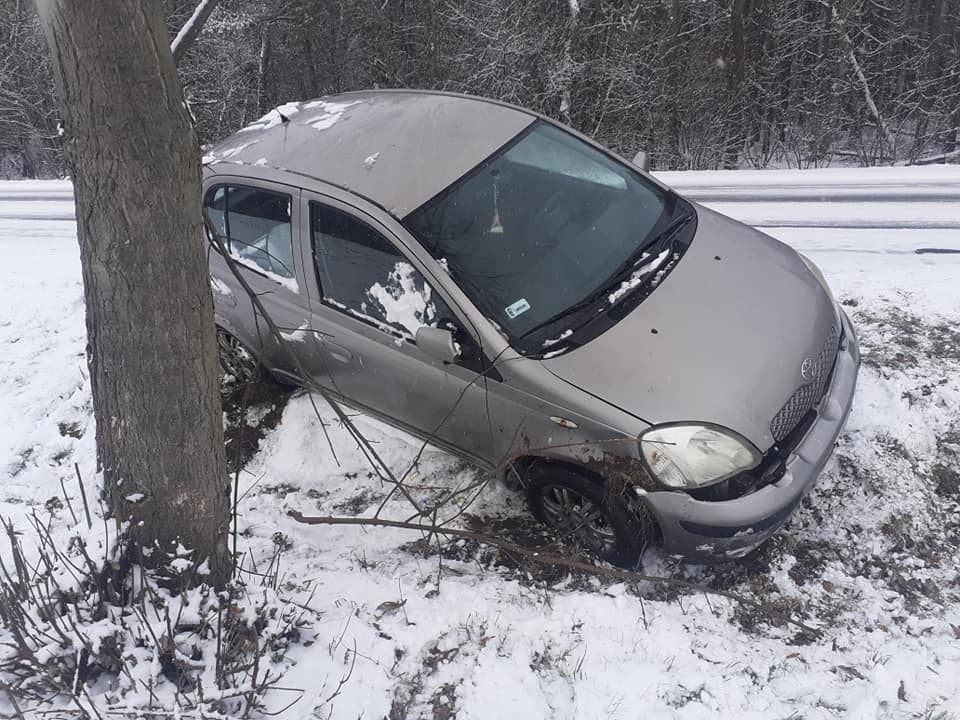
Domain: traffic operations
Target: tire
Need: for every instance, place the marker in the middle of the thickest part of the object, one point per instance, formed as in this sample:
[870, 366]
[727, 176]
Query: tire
[565, 500]
[236, 360]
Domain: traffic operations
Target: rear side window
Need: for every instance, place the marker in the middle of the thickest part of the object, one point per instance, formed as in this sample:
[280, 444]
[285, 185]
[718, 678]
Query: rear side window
[257, 226]
[364, 275]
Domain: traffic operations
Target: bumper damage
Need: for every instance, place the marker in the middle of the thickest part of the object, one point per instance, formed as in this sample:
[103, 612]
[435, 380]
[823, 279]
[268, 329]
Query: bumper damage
[711, 531]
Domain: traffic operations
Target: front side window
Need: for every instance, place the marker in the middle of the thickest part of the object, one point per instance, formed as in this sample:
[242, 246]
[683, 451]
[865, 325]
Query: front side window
[366, 276]
[257, 226]
[549, 233]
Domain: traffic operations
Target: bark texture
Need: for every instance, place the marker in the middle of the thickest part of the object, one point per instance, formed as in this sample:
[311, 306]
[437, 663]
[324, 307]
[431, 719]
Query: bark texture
[151, 348]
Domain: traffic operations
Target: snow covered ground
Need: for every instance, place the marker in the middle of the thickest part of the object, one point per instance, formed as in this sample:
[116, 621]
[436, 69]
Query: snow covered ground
[871, 558]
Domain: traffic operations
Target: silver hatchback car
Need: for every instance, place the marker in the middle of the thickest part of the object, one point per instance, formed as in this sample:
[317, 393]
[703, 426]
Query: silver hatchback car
[488, 279]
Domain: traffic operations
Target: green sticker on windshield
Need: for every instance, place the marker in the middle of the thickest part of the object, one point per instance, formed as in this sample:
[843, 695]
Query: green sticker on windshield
[517, 308]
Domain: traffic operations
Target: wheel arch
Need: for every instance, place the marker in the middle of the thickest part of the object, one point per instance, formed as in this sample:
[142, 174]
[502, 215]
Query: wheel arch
[524, 463]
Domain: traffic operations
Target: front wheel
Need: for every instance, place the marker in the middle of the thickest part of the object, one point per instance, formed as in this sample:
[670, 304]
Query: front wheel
[575, 506]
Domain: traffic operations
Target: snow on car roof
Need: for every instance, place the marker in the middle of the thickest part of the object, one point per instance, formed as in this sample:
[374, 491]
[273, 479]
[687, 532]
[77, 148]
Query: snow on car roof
[397, 148]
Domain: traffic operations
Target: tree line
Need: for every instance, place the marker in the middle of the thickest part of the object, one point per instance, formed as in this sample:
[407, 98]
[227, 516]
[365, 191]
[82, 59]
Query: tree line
[696, 83]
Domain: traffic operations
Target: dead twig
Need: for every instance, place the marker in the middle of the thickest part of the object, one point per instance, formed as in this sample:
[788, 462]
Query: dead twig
[66, 497]
[83, 494]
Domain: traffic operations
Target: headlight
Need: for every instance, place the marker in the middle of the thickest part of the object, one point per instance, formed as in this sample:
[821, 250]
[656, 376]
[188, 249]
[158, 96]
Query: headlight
[812, 267]
[691, 456]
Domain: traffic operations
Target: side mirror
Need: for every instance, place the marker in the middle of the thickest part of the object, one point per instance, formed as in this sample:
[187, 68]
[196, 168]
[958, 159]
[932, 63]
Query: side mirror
[437, 343]
[642, 161]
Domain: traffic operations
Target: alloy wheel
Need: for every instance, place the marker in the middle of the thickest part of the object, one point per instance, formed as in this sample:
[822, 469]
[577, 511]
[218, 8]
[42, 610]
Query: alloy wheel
[575, 515]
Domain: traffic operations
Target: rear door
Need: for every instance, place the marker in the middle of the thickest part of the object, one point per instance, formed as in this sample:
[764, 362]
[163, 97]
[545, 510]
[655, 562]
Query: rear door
[369, 300]
[259, 222]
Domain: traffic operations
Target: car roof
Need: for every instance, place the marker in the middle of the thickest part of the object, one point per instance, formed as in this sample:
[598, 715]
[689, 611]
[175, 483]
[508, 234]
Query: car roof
[396, 148]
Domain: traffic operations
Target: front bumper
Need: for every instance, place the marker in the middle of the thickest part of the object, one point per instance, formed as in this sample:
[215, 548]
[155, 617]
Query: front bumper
[708, 531]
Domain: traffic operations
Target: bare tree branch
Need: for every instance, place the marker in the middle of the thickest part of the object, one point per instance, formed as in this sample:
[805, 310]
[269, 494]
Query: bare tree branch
[191, 28]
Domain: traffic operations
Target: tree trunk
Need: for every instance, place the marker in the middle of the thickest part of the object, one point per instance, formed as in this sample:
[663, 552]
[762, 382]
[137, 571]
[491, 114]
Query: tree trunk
[311, 83]
[151, 348]
[736, 125]
[262, 64]
[953, 135]
[675, 73]
[883, 134]
[566, 68]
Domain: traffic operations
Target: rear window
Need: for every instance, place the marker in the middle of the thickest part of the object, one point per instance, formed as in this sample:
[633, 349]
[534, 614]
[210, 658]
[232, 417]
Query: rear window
[256, 224]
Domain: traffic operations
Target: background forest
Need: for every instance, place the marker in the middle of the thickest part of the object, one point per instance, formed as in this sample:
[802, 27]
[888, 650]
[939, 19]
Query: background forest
[697, 83]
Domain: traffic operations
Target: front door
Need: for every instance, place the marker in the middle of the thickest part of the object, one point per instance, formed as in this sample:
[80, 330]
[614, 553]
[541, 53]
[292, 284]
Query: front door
[370, 300]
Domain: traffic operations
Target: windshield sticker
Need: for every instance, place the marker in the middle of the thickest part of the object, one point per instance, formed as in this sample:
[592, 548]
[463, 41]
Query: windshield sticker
[517, 308]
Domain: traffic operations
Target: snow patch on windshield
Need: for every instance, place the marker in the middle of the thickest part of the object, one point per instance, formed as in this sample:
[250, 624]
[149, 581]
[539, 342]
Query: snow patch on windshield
[664, 270]
[332, 112]
[637, 276]
[405, 301]
[563, 336]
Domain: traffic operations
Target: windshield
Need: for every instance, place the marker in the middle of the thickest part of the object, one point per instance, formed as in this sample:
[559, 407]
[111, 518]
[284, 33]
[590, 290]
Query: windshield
[547, 233]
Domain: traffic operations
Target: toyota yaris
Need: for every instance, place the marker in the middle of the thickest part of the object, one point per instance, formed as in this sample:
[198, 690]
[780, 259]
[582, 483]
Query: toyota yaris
[645, 369]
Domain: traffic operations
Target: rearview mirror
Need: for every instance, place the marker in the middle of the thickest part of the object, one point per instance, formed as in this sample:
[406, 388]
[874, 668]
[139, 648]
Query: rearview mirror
[642, 161]
[437, 343]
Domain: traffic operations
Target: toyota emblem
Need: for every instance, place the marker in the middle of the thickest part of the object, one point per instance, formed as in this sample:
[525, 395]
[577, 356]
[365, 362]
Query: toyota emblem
[806, 369]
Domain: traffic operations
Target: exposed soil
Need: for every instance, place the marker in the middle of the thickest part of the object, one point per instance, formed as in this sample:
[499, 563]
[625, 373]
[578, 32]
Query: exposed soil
[250, 411]
[898, 339]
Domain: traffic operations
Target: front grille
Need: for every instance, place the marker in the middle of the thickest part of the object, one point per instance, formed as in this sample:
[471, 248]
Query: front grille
[773, 465]
[807, 396]
[789, 427]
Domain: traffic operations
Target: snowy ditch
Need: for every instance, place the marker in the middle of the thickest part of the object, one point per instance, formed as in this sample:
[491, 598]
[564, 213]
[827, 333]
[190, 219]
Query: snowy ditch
[870, 559]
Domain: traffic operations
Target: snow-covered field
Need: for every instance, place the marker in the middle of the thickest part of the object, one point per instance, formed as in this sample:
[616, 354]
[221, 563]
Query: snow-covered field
[872, 558]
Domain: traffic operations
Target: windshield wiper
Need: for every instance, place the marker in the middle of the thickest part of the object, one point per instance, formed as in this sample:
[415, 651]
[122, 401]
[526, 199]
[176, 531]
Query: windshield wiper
[642, 253]
[637, 257]
[576, 307]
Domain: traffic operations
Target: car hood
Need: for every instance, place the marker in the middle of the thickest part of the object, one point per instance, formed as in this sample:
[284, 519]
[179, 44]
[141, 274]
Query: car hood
[721, 340]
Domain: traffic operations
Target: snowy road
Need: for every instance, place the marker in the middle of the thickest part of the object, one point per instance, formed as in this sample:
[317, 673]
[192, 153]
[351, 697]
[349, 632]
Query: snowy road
[849, 221]
[870, 557]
